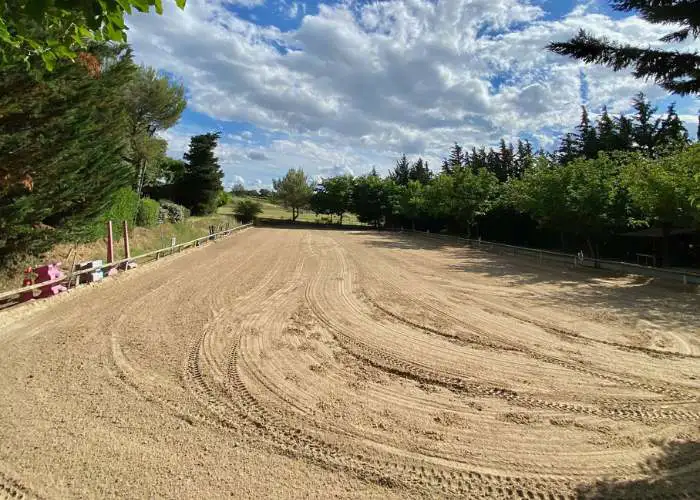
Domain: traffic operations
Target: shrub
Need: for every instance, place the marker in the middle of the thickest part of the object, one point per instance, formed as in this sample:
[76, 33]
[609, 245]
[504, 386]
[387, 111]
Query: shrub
[124, 206]
[247, 209]
[172, 212]
[149, 212]
[224, 199]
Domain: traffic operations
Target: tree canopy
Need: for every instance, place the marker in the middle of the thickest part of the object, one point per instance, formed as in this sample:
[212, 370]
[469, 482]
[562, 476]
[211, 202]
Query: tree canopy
[293, 190]
[200, 184]
[676, 71]
[49, 31]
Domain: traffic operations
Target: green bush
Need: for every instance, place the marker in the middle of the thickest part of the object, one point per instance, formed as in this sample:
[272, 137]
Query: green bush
[124, 207]
[172, 212]
[149, 211]
[247, 209]
[224, 199]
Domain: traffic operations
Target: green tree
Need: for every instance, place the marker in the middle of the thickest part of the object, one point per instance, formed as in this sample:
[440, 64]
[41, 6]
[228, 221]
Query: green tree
[293, 191]
[523, 160]
[62, 141]
[154, 103]
[246, 210]
[646, 127]
[542, 193]
[672, 134]
[608, 138]
[371, 199]
[411, 201]
[569, 150]
[72, 25]
[339, 193]
[676, 71]
[420, 172]
[665, 190]
[401, 174]
[587, 137]
[200, 184]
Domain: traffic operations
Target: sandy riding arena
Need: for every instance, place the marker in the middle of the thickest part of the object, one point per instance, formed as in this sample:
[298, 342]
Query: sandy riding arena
[291, 363]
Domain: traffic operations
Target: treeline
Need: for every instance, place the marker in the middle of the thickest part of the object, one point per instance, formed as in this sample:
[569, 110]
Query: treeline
[606, 178]
[79, 144]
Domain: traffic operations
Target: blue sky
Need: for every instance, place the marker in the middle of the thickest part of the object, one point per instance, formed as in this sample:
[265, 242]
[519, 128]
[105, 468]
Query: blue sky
[347, 86]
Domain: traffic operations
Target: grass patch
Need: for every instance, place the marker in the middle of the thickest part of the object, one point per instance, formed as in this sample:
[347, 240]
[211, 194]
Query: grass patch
[273, 211]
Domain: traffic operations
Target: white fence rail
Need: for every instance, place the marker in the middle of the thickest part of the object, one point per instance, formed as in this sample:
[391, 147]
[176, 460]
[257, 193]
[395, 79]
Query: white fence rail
[155, 254]
[679, 276]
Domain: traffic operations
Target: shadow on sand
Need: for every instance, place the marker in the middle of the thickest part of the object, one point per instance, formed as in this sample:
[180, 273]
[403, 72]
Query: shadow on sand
[628, 297]
[673, 474]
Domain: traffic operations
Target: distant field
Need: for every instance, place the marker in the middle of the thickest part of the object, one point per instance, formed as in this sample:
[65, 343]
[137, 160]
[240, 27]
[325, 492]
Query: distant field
[273, 211]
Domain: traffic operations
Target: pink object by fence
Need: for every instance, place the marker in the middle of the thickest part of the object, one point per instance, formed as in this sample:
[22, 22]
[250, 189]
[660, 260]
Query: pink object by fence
[27, 281]
[47, 273]
[110, 243]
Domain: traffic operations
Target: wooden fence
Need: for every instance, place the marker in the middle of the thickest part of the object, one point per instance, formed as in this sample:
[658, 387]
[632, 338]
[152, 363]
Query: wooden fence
[155, 254]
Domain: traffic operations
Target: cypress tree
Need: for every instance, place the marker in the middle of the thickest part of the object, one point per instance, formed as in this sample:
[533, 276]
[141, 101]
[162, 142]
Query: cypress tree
[201, 183]
[676, 71]
[62, 143]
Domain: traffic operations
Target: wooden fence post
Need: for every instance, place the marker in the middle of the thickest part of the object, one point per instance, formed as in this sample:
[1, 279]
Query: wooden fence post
[110, 243]
[127, 250]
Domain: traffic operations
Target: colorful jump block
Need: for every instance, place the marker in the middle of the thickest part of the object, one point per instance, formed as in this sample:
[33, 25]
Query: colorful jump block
[49, 272]
[96, 275]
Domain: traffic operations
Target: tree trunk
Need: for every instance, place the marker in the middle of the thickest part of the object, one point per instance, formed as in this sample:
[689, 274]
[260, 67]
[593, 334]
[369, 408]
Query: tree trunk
[341, 219]
[413, 224]
[295, 213]
[593, 252]
[665, 245]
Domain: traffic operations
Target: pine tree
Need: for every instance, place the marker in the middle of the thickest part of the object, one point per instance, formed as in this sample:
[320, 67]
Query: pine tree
[672, 134]
[524, 159]
[400, 175]
[588, 141]
[495, 165]
[625, 134]
[456, 159]
[294, 190]
[646, 128]
[506, 156]
[608, 139]
[420, 172]
[676, 71]
[201, 182]
[569, 150]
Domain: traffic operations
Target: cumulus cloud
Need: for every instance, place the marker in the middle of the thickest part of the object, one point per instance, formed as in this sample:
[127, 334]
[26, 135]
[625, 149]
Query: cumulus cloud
[257, 156]
[358, 83]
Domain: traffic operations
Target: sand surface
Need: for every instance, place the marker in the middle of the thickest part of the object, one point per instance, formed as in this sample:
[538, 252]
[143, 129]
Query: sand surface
[289, 363]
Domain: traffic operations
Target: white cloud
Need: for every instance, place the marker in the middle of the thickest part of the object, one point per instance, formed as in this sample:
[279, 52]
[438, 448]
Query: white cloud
[359, 83]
